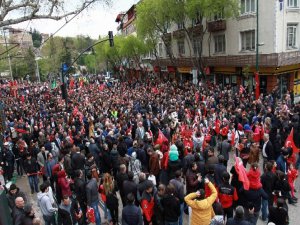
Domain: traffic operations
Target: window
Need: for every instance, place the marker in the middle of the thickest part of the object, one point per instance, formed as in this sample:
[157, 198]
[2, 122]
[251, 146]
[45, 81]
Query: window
[247, 6]
[180, 45]
[248, 40]
[293, 3]
[160, 49]
[180, 25]
[291, 36]
[218, 16]
[196, 46]
[220, 43]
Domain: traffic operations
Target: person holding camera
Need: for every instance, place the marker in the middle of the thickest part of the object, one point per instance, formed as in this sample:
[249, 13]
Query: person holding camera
[202, 210]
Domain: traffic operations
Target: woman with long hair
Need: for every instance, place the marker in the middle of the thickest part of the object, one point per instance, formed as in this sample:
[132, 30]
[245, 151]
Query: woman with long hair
[109, 197]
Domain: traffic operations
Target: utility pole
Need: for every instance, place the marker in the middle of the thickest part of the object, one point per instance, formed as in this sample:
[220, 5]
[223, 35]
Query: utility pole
[8, 56]
[257, 44]
[65, 68]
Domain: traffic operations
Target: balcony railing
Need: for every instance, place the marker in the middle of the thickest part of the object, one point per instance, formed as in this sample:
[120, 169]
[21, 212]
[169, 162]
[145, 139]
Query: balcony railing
[178, 34]
[196, 30]
[215, 26]
[167, 37]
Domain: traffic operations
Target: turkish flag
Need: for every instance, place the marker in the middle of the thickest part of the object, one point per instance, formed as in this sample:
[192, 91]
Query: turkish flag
[290, 142]
[242, 173]
[256, 85]
[217, 126]
[160, 139]
[242, 89]
[101, 87]
[72, 83]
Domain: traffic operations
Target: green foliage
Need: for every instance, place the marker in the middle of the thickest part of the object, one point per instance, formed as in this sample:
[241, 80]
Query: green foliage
[36, 38]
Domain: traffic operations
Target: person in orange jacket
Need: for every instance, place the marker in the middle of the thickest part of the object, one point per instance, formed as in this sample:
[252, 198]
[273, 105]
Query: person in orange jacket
[147, 204]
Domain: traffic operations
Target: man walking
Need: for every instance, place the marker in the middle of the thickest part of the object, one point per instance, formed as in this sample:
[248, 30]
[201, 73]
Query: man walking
[31, 170]
[44, 202]
[92, 196]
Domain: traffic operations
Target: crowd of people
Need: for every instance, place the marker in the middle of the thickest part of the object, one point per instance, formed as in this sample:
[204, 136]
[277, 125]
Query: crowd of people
[160, 149]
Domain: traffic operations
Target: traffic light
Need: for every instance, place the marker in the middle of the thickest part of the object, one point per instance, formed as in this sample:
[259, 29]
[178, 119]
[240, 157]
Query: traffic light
[111, 38]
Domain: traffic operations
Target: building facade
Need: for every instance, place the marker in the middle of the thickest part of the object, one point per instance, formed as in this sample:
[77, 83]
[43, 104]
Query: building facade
[229, 47]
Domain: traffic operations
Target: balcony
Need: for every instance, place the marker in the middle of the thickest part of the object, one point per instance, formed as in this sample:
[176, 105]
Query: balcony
[167, 37]
[179, 34]
[196, 30]
[215, 26]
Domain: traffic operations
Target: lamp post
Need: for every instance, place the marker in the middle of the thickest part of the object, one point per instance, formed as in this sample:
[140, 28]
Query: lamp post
[65, 68]
[257, 91]
[38, 69]
[8, 56]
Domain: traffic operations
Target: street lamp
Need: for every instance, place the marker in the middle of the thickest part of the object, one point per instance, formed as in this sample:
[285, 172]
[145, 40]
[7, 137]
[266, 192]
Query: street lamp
[37, 69]
[7, 52]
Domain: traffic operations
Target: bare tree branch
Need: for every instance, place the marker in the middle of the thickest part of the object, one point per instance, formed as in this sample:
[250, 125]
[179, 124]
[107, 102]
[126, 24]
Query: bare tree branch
[38, 9]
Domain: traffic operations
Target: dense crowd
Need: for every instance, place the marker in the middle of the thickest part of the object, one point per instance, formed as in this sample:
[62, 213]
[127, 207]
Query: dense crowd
[160, 149]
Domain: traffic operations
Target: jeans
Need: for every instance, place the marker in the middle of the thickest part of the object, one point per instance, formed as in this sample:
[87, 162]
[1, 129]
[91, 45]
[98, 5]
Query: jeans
[181, 213]
[171, 223]
[95, 206]
[264, 209]
[49, 220]
[33, 183]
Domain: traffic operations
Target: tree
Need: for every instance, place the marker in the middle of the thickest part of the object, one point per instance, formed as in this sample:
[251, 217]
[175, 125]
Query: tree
[154, 21]
[132, 49]
[17, 11]
[36, 38]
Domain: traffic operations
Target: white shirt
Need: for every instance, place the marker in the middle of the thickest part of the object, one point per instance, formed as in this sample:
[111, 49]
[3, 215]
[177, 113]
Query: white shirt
[264, 149]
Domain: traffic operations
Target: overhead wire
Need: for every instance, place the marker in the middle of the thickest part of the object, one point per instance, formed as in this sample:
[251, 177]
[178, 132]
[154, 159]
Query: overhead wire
[50, 36]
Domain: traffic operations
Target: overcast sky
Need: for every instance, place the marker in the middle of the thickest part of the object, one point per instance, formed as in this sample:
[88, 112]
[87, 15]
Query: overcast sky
[94, 21]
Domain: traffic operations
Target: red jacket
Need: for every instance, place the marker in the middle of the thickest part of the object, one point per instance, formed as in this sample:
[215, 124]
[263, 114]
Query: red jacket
[147, 205]
[64, 184]
[227, 194]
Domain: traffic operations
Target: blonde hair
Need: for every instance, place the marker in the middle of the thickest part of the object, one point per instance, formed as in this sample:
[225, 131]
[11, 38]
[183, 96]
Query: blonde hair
[108, 184]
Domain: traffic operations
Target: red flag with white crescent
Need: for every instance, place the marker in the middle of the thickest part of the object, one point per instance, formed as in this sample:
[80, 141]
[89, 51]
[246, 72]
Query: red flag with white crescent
[290, 142]
[217, 126]
[242, 173]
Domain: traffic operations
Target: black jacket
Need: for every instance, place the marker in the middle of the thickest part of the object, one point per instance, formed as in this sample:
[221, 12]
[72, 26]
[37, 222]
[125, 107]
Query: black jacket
[171, 208]
[106, 164]
[237, 221]
[18, 216]
[173, 166]
[270, 151]
[77, 161]
[253, 197]
[131, 215]
[268, 180]
[64, 217]
[279, 216]
[129, 187]
[80, 189]
[11, 198]
[121, 177]
[30, 166]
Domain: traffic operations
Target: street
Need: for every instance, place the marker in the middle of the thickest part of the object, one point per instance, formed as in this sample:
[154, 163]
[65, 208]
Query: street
[23, 184]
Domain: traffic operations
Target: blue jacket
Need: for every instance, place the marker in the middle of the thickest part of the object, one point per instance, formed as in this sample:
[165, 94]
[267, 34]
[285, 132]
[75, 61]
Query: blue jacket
[281, 164]
[131, 215]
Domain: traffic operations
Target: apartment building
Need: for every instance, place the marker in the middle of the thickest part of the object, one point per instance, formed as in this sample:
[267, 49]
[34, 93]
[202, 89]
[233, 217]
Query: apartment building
[229, 46]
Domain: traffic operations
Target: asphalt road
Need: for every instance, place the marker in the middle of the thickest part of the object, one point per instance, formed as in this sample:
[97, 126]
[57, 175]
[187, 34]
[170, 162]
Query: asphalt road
[294, 212]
